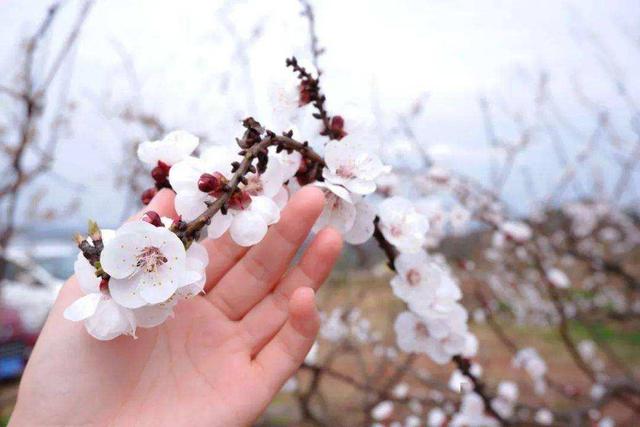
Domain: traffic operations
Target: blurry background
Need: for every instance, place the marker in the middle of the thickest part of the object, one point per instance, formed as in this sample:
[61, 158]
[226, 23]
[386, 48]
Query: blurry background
[535, 100]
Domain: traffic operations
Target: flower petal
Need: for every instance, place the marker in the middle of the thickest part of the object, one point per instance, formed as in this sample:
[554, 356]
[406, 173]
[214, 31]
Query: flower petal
[219, 225]
[125, 291]
[248, 228]
[83, 308]
[173, 148]
[86, 275]
[190, 204]
[157, 287]
[118, 257]
[184, 175]
[110, 321]
[195, 281]
[153, 315]
[197, 257]
[363, 226]
[337, 213]
[266, 207]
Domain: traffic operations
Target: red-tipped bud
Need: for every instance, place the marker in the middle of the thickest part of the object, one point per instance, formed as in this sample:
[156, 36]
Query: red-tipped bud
[306, 93]
[148, 194]
[160, 174]
[240, 200]
[212, 183]
[208, 183]
[104, 285]
[153, 218]
[336, 127]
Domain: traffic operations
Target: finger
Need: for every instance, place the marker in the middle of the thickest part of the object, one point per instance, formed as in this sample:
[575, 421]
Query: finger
[284, 354]
[162, 204]
[224, 253]
[253, 277]
[265, 319]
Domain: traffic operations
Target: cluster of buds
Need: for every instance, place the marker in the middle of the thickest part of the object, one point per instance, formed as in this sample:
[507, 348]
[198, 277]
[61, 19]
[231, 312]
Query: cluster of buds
[160, 175]
[309, 93]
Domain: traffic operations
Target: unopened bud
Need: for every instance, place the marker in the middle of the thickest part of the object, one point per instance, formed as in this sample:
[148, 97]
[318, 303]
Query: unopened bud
[336, 126]
[212, 183]
[160, 173]
[147, 195]
[104, 285]
[152, 218]
[306, 93]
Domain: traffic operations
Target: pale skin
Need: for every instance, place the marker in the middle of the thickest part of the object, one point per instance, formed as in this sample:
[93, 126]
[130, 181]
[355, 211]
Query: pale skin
[218, 362]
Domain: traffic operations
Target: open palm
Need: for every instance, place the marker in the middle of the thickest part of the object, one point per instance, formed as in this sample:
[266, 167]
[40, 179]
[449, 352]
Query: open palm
[219, 361]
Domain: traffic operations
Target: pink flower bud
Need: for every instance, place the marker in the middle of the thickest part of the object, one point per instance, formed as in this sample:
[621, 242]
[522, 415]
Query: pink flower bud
[212, 183]
[147, 195]
[208, 182]
[160, 174]
[336, 127]
[152, 218]
[306, 93]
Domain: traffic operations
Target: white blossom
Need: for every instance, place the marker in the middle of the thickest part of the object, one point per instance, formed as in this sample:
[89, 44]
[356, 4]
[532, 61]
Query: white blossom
[402, 225]
[352, 167]
[529, 360]
[334, 328]
[290, 386]
[544, 416]
[597, 391]
[606, 422]
[436, 418]
[173, 148]
[400, 391]
[106, 316]
[439, 340]
[472, 413]
[382, 410]
[349, 214]
[558, 278]
[517, 231]
[423, 284]
[508, 390]
[147, 264]
[459, 383]
[587, 349]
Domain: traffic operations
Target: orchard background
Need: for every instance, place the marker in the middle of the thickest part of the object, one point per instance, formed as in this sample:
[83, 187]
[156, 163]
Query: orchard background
[514, 127]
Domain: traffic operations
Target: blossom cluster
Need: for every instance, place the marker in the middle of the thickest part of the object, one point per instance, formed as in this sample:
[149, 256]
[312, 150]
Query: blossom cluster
[148, 270]
[436, 322]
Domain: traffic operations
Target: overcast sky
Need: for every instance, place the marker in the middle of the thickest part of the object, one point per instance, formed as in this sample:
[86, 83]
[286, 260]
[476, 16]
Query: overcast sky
[172, 59]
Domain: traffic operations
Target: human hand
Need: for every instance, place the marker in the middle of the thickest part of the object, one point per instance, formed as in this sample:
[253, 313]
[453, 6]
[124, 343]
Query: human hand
[219, 361]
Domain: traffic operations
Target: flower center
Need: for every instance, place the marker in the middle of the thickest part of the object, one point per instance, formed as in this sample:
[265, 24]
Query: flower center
[150, 259]
[346, 171]
[254, 186]
[413, 277]
[395, 230]
[421, 330]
